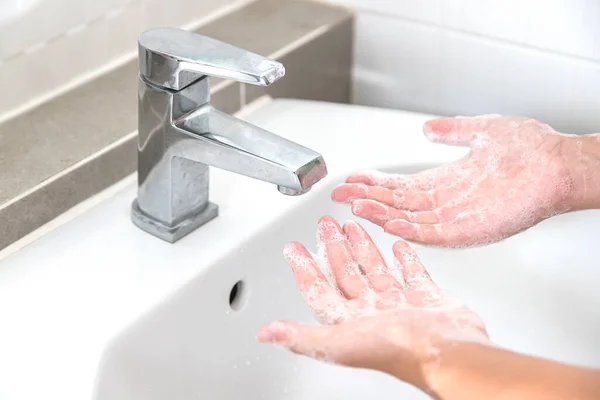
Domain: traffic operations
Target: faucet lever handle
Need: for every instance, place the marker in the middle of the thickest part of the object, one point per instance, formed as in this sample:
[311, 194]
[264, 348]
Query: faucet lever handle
[173, 58]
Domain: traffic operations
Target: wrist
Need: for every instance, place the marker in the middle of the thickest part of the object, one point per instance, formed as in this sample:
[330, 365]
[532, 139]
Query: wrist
[443, 370]
[442, 373]
[581, 157]
[462, 371]
[419, 367]
[474, 371]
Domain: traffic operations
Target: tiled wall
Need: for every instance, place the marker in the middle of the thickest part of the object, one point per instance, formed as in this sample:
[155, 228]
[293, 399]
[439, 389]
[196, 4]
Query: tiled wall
[53, 43]
[539, 58]
[62, 152]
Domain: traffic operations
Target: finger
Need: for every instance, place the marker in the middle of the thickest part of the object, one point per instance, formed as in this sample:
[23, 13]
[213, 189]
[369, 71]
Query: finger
[460, 131]
[315, 341]
[344, 345]
[440, 215]
[467, 230]
[349, 192]
[415, 200]
[425, 180]
[338, 251]
[421, 200]
[374, 178]
[368, 256]
[326, 302]
[414, 273]
[380, 214]
[411, 199]
[375, 212]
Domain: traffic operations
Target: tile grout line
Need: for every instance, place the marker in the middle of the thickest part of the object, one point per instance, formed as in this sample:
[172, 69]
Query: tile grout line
[69, 32]
[71, 168]
[111, 65]
[68, 215]
[100, 154]
[301, 41]
[287, 49]
[101, 195]
[242, 95]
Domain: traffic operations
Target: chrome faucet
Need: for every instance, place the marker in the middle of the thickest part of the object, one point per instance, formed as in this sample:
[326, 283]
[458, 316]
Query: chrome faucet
[180, 134]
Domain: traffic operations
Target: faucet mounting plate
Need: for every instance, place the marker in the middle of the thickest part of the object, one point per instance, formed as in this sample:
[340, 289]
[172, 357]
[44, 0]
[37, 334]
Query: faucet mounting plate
[172, 234]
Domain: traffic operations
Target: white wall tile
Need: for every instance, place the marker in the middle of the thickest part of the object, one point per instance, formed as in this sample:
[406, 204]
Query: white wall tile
[419, 10]
[534, 58]
[482, 76]
[396, 63]
[566, 26]
[112, 31]
[48, 19]
[406, 65]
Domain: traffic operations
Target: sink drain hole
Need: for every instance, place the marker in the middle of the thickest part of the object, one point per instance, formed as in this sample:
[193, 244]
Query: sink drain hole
[237, 295]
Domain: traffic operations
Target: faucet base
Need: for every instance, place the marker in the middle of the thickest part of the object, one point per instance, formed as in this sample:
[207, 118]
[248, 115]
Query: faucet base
[172, 234]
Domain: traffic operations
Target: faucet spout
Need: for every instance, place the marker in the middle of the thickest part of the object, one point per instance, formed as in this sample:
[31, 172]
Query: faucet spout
[223, 141]
[180, 134]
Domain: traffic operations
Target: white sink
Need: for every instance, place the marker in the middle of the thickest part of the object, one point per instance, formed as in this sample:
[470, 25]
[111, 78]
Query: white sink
[99, 309]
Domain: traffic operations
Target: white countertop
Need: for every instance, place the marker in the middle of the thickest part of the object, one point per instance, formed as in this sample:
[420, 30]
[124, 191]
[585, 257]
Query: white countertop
[66, 295]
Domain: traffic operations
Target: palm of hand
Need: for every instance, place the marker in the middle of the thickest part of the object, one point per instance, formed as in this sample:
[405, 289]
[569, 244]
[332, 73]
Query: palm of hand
[377, 317]
[514, 177]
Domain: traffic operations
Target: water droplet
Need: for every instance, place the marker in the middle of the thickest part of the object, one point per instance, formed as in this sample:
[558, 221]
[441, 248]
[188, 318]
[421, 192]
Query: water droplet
[234, 366]
[247, 362]
[257, 358]
[227, 312]
[285, 390]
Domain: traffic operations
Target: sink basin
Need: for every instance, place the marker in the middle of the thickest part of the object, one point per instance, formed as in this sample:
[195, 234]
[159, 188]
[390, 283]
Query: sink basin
[98, 309]
[537, 292]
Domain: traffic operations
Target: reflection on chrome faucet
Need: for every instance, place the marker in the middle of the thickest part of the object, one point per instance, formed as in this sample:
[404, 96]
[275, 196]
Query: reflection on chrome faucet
[180, 134]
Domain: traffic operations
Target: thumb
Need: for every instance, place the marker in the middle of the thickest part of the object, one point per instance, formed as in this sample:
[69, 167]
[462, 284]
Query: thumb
[315, 341]
[351, 346]
[461, 131]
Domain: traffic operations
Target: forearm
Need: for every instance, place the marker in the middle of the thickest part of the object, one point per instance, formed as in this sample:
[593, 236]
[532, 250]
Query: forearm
[582, 157]
[468, 371]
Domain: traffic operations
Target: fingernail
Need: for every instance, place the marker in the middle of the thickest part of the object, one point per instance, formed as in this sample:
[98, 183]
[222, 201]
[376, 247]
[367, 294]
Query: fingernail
[364, 207]
[265, 335]
[349, 192]
[337, 194]
[370, 210]
[339, 197]
[350, 227]
[427, 128]
[289, 250]
[399, 227]
[351, 223]
[327, 228]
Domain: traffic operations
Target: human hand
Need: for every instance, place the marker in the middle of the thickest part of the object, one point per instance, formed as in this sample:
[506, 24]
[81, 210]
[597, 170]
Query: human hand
[518, 173]
[387, 318]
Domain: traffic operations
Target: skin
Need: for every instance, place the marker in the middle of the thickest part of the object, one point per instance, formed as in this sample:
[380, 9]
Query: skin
[518, 173]
[374, 314]
[396, 320]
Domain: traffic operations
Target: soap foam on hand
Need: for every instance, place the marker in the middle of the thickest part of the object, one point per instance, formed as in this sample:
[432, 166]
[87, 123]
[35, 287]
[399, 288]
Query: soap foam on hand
[372, 312]
[518, 173]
